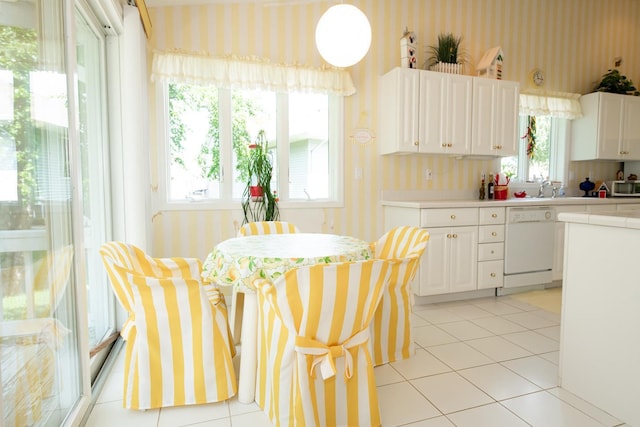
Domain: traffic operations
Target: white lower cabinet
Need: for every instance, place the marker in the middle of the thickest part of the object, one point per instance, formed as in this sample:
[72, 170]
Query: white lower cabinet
[491, 248]
[448, 263]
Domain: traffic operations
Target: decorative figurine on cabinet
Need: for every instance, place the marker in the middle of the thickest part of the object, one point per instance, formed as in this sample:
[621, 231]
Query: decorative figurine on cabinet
[490, 65]
[408, 50]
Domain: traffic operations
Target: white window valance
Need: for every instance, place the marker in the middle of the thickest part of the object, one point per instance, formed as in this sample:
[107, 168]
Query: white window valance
[545, 103]
[249, 73]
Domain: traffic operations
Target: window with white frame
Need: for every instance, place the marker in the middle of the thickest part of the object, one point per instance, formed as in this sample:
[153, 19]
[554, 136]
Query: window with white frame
[209, 126]
[543, 132]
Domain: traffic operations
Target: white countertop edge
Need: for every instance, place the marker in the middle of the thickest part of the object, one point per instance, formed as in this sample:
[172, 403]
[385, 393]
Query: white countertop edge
[621, 219]
[528, 201]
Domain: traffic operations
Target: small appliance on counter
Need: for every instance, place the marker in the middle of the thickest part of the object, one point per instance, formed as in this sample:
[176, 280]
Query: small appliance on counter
[630, 188]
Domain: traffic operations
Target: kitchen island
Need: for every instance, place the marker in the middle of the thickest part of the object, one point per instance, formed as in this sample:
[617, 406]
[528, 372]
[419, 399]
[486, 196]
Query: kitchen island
[600, 343]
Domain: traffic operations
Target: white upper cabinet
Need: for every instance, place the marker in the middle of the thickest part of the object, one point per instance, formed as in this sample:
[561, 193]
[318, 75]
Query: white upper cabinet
[399, 100]
[437, 113]
[495, 117]
[609, 128]
[445, 113]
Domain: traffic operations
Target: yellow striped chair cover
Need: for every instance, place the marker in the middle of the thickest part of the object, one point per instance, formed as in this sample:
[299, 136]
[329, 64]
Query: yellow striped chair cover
[178, 344]
[267, 227]
[314, 361]
[391, 327]
[253, 229]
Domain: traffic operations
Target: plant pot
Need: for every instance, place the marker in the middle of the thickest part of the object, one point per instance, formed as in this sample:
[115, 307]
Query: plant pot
[256, 192]
[445, 67]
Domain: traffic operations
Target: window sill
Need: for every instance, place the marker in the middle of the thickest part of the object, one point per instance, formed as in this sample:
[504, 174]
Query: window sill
[205, 205]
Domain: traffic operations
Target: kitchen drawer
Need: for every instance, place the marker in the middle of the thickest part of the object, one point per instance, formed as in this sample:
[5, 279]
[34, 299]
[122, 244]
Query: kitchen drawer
[448, 217]
[490, 251]
[491, 233]
[492, 215]
[490, 274]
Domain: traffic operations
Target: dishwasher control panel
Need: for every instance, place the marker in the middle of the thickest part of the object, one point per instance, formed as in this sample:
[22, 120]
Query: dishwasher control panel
[532, 214]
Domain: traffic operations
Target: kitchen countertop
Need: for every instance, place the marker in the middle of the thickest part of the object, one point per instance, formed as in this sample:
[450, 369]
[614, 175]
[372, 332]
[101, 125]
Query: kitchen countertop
[512, 202]
[621, 219]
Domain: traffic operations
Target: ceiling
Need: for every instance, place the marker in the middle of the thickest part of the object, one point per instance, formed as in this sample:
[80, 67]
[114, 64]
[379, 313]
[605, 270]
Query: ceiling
[158, 3]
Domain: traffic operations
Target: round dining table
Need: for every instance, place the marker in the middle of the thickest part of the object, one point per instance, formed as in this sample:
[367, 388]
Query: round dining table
[237, 262]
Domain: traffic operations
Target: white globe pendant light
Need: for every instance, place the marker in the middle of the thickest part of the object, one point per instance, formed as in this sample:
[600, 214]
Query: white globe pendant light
[343, 35]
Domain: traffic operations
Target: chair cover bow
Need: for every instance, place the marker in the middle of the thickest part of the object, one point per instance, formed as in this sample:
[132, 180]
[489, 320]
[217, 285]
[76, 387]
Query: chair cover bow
[325, 355]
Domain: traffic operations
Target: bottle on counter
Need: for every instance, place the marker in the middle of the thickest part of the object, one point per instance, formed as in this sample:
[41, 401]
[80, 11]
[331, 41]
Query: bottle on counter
[482, 190]
[490, 188]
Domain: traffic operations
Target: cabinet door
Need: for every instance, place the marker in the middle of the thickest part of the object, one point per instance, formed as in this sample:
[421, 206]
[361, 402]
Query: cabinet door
[508, 98]
[610, 126]
[432, 123]
[484, 115]
[463, 258]
[495, 117]
[458, 114]
[399, 99]
[434, 264]
[631, 128]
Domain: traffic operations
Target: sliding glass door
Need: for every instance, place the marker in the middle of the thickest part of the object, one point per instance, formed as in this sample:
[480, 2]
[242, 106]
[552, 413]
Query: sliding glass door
[54, 210]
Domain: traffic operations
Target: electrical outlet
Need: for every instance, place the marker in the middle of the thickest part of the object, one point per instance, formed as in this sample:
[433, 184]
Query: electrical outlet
[358, 173]
[428, 175]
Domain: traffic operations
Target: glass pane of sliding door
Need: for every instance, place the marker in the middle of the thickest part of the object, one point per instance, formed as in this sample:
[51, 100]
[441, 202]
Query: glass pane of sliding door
[40, 352]
[92, 107]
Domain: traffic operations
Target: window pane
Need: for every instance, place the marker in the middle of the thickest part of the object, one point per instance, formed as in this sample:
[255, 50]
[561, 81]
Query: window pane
[194, 147]
[539, 162]
[251, 112]
[93, 142]
[308, 146]
[39, 349]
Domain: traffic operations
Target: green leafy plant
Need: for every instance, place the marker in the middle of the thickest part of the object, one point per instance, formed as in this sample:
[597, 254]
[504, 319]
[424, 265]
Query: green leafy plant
[614, 82]
[259, 202]
[447, 50]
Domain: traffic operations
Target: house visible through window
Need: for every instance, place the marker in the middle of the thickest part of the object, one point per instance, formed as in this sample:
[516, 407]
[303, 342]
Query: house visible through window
[209, 131]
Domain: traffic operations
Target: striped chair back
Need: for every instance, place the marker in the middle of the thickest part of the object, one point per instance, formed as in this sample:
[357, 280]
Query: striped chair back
[182, 350]
[267, 227]
[391, 327]
[316, 368]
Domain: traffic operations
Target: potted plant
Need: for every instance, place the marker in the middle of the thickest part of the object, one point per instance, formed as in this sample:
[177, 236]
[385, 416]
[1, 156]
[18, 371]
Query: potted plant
[447, 56]
[259, 202]
[614, 82]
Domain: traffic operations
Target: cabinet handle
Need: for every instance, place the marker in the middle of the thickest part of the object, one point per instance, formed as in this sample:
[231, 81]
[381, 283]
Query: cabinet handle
[455, 236]
[494, 215]
[493, 274]
[493, 252]
[453, 217]
[444, 145]
[448, 236]
[494, 234]
[416, 143]
[449, 145]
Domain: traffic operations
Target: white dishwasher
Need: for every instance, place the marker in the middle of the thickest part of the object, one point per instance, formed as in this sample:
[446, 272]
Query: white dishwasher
[528, 247]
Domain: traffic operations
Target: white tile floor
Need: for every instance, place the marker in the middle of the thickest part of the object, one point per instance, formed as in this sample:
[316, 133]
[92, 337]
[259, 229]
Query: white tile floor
[486, 362]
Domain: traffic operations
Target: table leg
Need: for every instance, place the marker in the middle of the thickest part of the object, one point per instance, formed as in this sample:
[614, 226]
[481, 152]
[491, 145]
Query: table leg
[235, 317]
[248, 349]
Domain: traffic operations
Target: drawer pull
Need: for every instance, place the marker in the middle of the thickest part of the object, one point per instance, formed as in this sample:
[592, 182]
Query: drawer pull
[494, 215]
[455, 236]
[493, 274]
[416, 143]
[448, 236]
[493, 252]
[453, 217]
[494, 234]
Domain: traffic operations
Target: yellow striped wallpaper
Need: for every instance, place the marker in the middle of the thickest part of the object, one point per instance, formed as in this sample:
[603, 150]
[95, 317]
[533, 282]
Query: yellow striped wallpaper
[573, 41]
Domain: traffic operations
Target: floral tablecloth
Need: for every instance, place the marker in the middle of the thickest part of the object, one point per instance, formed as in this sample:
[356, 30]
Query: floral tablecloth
[238, 261]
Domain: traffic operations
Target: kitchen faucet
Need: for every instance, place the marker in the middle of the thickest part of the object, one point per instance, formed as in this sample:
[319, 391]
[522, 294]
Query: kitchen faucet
[543, 184]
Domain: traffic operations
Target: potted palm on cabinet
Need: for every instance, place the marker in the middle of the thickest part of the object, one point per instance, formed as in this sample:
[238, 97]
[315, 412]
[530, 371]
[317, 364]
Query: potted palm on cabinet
[259, 203]
[446, 56]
